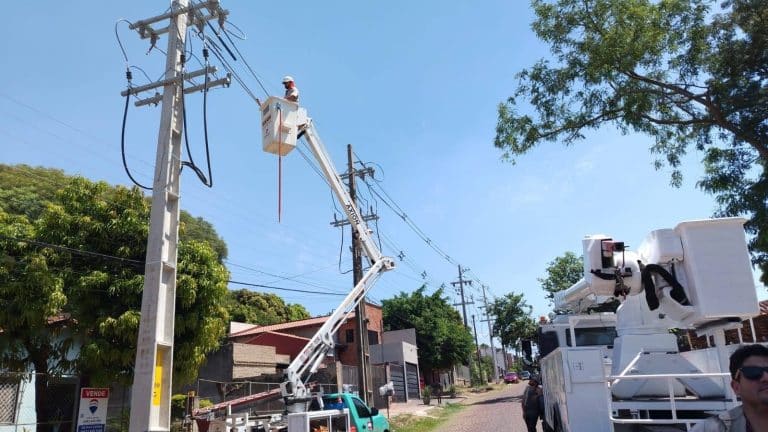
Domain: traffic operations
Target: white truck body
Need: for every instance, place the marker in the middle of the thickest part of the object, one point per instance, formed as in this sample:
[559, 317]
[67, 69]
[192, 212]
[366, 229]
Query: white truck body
[696, 276]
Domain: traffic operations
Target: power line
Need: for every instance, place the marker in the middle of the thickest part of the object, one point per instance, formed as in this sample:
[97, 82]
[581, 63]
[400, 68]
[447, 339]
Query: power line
[75, 251]
[284, 289]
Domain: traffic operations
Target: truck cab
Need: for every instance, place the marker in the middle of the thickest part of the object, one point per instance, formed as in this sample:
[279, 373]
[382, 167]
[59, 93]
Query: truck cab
[362, 417]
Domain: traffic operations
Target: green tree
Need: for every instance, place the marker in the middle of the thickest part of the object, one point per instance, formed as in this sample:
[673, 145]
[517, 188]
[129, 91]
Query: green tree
[441, 337]
[686, 73]
[562, 272]
[262, 308]
[513, 319]
[81, 258]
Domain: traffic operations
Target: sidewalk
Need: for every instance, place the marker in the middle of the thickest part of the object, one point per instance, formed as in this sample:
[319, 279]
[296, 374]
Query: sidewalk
[416, 406]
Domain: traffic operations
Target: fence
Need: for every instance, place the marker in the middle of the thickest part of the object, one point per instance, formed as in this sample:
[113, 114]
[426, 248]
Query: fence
[59, 397]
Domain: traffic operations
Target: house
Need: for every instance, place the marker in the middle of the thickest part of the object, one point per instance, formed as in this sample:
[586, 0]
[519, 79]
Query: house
[261, 353]
[346, 340]
[18, 389]
[399, 353]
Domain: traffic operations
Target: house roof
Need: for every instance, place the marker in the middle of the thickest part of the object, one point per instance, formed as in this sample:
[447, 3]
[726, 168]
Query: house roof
[284, 343]
[309, 322]
[257, 329]
[763, 307]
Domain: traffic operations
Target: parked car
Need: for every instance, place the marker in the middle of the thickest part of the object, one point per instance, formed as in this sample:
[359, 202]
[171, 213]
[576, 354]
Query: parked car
[525, 375]
[511, 378]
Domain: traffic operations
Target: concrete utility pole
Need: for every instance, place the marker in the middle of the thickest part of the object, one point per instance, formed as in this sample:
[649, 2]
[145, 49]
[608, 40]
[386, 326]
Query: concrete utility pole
[490, 336]
[151, 391]
[477, 349]
[463, 303]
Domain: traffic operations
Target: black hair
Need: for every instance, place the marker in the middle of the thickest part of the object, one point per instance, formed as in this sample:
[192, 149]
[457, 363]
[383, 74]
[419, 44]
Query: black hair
[741, 354]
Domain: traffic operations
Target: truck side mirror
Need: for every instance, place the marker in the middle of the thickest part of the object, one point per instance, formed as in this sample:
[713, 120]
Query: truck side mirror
[374, 411]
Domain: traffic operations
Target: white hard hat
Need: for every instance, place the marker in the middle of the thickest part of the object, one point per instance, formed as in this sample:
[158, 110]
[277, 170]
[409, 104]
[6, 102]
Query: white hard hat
[287, 78]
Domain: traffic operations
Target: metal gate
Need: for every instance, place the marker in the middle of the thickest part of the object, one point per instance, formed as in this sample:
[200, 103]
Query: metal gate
[412, 380]
[398, 381]
[378, 379]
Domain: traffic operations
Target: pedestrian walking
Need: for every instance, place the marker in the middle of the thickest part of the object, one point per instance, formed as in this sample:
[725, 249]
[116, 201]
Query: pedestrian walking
[531, 403]
[437, 391]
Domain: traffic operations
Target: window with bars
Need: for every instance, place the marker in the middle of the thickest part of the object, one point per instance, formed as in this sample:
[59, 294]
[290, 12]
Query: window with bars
[9, 398]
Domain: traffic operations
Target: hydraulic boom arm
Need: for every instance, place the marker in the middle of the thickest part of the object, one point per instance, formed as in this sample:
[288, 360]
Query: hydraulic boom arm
[283, 117]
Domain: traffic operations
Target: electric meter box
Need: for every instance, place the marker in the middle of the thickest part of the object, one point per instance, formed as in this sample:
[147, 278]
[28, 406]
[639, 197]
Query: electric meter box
[719, 281]
[280, 121]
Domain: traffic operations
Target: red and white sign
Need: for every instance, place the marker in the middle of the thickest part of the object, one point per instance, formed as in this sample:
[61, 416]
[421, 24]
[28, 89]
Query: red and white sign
[92, 416]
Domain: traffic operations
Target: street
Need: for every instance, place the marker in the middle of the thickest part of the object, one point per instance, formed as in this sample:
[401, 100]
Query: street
[493, 411]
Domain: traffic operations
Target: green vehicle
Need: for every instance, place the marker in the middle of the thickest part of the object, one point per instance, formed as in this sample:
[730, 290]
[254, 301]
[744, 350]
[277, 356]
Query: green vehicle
[362, 417]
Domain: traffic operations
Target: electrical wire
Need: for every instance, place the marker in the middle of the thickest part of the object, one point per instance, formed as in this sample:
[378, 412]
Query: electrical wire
[242, 33]
[209, 180]
[120, 43]
[140, 264]
[217, 53]
[76, 251]
[128, 76]
[248, 66]
[293, 278]
[284, 289]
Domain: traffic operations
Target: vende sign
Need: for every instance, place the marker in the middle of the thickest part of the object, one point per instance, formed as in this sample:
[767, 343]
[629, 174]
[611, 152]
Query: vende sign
[93, 410]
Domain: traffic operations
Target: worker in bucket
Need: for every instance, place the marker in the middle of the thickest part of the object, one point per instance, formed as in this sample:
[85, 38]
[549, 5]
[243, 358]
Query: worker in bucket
[291, 92]
[749, 380]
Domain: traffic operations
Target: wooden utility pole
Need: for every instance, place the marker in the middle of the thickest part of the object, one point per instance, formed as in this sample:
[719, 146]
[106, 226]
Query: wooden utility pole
[361, 322]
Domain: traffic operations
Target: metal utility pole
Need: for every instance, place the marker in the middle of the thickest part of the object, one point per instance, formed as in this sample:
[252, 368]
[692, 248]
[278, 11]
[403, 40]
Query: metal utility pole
[490, 336]
[151, 391]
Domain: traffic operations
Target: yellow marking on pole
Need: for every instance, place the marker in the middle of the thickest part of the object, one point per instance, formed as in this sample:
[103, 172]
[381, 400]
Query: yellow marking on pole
[157, 387]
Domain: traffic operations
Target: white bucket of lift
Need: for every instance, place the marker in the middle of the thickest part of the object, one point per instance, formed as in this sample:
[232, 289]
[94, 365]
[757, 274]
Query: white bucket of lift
[280, 121]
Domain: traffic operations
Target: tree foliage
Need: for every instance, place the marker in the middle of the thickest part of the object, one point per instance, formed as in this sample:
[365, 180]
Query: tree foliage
[562, 272]
[441, 337]
[687, 73]
[513, 319]
[71, 276]
[262, 308]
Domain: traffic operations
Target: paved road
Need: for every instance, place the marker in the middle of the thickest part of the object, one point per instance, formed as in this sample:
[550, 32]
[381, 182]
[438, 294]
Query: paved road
[493, 411]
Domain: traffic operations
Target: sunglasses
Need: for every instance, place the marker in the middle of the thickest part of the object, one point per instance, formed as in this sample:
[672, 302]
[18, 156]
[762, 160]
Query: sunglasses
[753, 373]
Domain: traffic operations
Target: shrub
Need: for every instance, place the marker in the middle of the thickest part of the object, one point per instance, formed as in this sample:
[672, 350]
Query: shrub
[426, 395]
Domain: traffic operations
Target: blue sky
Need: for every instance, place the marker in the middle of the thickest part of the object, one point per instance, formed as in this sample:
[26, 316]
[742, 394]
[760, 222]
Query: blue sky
[413, 86]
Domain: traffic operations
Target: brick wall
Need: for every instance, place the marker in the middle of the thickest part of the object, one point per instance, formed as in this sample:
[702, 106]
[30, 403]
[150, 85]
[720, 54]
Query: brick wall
[348, 351]
[252, 360]
[732, 336]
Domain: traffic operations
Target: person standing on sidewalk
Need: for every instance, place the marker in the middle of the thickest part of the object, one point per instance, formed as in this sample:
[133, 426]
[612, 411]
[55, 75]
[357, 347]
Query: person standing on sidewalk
[531, 403]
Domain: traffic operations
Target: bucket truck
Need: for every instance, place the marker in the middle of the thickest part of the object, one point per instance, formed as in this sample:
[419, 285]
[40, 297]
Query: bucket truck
[283, 123]
[623, 371]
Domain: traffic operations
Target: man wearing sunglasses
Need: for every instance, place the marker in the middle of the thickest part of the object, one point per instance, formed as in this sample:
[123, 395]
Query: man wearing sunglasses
[749, 380]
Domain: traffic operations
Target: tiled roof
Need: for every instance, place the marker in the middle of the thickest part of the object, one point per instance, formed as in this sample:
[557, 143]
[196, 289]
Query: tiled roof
[763, 307]
[256, 329]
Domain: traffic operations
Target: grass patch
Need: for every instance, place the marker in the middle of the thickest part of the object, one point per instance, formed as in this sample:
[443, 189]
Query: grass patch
[413, 423]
